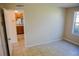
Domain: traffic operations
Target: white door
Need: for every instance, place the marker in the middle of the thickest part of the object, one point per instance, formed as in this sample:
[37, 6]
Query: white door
[10, 22]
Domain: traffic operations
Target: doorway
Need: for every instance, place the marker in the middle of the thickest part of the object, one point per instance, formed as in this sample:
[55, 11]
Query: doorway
[14, 21]
[19, 27]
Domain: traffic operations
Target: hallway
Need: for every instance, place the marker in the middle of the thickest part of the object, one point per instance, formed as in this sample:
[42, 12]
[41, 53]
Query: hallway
[18, 48]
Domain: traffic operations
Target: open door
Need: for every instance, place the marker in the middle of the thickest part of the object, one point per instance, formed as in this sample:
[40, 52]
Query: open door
[10, 24]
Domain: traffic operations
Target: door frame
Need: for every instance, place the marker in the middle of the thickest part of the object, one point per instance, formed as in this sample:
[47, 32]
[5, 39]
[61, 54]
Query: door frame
[24, 24]
[5, 33]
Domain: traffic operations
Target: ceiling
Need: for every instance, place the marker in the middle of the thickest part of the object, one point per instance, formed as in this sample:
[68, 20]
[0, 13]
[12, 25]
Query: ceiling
[67, 4]
[64, 5]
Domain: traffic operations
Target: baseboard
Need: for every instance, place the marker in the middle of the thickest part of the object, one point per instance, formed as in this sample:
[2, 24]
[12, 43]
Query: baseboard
[41, 43]
[71, 41]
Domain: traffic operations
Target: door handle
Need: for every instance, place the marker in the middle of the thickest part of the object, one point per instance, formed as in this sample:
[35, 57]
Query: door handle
[9, 39]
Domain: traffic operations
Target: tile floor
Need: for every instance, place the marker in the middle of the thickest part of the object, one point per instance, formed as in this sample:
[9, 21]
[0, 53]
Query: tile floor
[18, 47]
[58, 48]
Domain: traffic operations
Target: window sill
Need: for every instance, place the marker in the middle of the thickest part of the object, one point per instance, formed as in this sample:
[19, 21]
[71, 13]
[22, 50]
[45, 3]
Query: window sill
[76, 34]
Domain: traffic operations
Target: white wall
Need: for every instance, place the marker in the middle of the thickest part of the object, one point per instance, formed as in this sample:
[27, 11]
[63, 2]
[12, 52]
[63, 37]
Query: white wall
[43, 24]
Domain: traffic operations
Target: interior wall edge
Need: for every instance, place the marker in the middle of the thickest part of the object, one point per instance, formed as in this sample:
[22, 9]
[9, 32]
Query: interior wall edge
[51, 41]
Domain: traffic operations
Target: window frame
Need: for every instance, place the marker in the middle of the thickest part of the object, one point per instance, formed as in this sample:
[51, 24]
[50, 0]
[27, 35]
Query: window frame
[74, 19]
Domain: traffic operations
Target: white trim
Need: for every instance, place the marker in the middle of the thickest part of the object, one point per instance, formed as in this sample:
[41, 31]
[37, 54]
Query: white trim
[74, 19]
[24, 20]
[73, 23]
[76, 43]
[28, 46]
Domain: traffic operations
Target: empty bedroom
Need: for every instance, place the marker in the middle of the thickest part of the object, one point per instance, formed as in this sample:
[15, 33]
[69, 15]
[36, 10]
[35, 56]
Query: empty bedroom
[39, 29]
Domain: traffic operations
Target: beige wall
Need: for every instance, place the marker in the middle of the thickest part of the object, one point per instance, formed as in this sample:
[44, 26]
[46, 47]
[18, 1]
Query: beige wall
[43, 24]
[69, 23]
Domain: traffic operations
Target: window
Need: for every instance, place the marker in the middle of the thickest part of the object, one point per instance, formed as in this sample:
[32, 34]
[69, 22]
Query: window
[76, 23]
